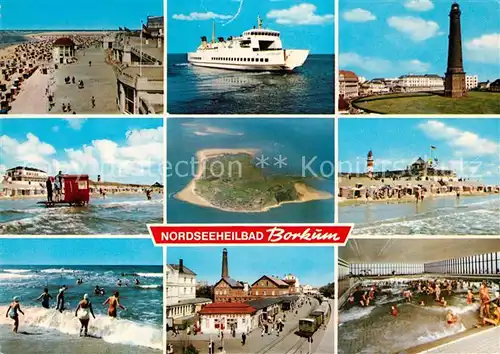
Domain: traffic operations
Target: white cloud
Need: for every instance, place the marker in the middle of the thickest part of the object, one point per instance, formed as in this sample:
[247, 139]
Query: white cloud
[75, 123]
[416, 28]
[200, 16]
[484, 49]
[302, 14]
[380, 65]
[415, 66]
[371, 64]
[139, 159]
[358, 15]
[465, 143]
[419, 5]
[31, 151]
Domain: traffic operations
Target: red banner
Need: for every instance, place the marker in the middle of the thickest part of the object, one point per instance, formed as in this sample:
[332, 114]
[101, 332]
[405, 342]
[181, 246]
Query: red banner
[314, 234]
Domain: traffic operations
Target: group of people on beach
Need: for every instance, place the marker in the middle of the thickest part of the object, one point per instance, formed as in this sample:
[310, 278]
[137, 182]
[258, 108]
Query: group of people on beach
[54, 186]
[437, 291]
[83, 311]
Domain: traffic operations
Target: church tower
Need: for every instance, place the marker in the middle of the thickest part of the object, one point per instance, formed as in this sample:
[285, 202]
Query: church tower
[454, 83]
[369, 164]
[225, 268]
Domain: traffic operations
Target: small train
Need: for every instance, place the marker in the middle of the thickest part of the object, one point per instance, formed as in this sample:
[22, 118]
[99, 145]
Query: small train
[321, 315]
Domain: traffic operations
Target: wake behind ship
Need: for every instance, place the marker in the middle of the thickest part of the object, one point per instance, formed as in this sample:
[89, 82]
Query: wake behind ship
[257, 49]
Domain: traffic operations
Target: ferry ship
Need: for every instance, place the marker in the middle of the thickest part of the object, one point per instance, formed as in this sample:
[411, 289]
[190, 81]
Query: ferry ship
[257, 49]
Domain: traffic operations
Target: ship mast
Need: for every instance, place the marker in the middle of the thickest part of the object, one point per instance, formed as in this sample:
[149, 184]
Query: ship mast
[213, 32]
[259, 22]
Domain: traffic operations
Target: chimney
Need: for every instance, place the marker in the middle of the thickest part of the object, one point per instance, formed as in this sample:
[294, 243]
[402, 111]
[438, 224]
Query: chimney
[225, 269]
[181, 266]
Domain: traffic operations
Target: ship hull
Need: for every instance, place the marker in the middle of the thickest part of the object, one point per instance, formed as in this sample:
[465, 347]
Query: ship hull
[275, 61]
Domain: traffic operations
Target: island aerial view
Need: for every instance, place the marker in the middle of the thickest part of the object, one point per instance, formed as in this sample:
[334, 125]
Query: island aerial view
[250, 57]
[95, 63]
[443, 57]
[78, 176]
[432, 176]
[231, 169]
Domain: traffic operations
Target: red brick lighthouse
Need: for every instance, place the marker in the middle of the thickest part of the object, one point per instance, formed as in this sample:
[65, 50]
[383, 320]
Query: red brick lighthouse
[454, 82]
[369, 164]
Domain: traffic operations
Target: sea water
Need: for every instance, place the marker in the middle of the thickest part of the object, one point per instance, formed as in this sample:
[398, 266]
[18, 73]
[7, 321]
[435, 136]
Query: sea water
[115, 214]
[434, 216]
[295, 139]
[141, 323]
[307, 90]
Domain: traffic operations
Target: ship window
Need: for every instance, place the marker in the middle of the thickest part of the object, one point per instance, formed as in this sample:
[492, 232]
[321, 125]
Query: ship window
[267, 60]
[253, 59]
[261, 60]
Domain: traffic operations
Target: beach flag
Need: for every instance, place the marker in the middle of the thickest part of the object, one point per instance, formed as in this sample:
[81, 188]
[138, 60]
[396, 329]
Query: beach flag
[433, 147]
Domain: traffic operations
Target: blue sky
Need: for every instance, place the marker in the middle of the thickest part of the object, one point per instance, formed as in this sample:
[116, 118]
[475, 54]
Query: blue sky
[469, 146]
[393, 38]
[304, 24]
[312, 265]
[77, 14]
[79, 252]
[123, 150]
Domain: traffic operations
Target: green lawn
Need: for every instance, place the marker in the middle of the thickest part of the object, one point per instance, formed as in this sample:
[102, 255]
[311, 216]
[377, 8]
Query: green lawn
[473, 103]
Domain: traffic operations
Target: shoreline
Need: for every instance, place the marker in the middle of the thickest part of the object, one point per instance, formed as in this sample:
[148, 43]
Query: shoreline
[93, 195]
[35, 340]
[188, 194]
[344, 202]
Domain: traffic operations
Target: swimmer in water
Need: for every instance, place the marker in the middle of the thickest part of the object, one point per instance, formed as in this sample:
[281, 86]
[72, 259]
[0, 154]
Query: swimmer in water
[443, 302]
[119, 282]
[137, 282]
[451, 318]
[394, 311]
[85, 309]
[114, 304]
[422, 303]
[45, 297]
[470, 297]
[12, 312]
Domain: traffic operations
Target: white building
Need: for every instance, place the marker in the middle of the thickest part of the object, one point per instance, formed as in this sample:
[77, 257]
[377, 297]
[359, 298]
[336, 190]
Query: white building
[182, 303]
[373, 87]
[420, 83]
[471, 82]
[63, 50]
[23, 181]
[309, 290]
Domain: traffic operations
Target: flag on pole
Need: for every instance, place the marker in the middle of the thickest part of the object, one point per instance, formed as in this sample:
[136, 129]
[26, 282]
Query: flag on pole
[433, 147]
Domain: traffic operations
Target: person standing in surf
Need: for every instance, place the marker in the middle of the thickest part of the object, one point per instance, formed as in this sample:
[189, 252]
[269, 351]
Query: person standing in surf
[12, 312]
[60, 299]
[45, 297]
[85, 309]
[114, 304]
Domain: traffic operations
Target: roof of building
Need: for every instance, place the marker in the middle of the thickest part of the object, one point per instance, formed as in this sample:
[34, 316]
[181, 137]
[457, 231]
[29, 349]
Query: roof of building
[495, 83]
[64, 42]
[216, 308]
[198, 300]
[348, 74]
[263, 303]
[426, 75]
[231, 282]
[25, 168]
[278, 282]
[186, 269]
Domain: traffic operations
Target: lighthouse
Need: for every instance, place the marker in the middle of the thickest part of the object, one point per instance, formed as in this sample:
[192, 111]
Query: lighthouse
[369, 164]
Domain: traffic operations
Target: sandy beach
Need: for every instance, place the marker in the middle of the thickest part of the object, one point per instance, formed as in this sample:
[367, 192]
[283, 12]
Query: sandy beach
[33, 340]
[342, 201]
[188, 194]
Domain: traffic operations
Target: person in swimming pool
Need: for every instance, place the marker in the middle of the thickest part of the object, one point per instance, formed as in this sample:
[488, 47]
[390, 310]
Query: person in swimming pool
[85, 309]
[470, 297]
[451, 318]
[12, 312]
[45, 297]
[114, 304]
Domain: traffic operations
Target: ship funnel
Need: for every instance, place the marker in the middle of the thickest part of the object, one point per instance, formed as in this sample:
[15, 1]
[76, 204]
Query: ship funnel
[213, 32]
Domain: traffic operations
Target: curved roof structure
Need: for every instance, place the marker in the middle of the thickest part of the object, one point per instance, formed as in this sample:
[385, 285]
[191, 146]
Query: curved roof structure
[64, 42]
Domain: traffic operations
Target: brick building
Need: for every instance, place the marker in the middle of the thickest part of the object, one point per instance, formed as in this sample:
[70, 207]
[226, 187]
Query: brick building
[268, 286]
[228, 289]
